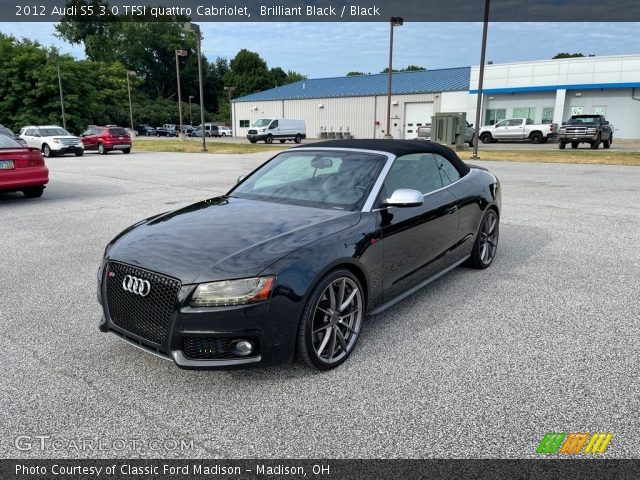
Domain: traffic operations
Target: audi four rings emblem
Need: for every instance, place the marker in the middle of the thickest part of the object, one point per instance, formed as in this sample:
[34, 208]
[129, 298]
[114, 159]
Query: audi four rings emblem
[136, 285]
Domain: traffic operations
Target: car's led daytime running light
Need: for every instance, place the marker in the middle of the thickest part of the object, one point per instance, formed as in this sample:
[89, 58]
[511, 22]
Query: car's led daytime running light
[232, 292]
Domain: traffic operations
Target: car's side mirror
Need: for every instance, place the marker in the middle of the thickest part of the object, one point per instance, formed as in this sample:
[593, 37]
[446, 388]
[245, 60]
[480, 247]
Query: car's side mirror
[405, 197]
[241, 178]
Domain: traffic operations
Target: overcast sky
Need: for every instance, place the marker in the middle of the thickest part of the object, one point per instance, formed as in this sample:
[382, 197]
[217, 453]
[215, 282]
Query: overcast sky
[333, 49]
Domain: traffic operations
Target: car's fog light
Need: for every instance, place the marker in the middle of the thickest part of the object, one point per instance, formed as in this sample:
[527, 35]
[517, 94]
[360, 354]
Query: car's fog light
[243, 348]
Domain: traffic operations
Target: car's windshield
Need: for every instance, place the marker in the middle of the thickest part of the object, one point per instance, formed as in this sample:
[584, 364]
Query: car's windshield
[52, 132]
[6, 142]
[262, 122]
[6, 131]
[324, 179]
[578, 120]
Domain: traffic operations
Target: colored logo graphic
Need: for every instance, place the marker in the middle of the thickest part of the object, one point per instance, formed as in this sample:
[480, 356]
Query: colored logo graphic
[573, 443]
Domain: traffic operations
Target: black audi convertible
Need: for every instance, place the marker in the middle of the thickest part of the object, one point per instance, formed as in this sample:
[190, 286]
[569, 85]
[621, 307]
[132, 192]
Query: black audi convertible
[294, 257]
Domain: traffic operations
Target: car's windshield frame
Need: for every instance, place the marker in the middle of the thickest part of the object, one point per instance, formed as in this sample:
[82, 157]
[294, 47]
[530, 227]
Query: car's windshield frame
[53, 132]
[364, 204]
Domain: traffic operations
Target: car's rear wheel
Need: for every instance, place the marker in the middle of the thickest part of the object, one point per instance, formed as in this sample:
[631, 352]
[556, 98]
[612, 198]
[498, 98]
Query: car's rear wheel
[297, 138]
[101, 149]
[486, 244]
[46, 150]
[33, 192]
[486, 137]
[331, 321]
[536, 137]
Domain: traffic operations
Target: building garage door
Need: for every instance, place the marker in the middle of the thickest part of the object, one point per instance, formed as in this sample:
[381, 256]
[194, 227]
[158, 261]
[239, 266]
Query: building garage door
[416, 115]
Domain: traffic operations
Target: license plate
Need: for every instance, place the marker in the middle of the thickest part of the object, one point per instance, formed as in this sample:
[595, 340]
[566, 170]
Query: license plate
[6, 164]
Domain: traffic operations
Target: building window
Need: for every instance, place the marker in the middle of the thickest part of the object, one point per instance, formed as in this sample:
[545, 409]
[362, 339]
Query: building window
[525, 112]
[547, 115]
[577, 110]
[599, 110]
[494, 115]
[244, 123]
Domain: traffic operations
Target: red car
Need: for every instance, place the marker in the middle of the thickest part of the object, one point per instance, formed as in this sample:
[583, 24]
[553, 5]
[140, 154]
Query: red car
[21, 168]
[105, 139]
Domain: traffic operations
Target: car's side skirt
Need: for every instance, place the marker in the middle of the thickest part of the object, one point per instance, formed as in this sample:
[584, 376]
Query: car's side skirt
[417, 287]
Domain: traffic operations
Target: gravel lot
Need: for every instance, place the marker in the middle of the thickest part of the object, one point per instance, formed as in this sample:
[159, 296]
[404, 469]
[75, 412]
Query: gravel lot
[479, 364]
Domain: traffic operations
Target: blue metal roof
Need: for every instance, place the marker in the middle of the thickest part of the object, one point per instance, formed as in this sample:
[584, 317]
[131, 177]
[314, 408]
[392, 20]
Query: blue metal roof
[427, 81]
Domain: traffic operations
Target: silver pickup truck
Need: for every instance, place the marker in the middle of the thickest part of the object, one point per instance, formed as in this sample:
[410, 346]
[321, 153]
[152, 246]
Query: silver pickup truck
[518, 130]
[424, 133]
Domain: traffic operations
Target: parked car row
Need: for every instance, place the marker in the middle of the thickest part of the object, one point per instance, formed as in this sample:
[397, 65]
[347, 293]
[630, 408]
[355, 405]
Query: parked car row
[172, 130]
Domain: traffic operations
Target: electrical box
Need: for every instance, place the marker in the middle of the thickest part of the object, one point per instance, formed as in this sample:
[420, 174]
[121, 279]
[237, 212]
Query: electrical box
[448, 128]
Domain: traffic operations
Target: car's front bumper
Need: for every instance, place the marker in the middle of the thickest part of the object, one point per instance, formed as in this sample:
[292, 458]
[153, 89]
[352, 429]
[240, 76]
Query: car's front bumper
[69, 149]
[205, 337]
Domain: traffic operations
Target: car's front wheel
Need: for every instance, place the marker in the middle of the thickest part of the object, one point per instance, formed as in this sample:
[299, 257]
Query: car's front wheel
[331, 321]
[101, 149]
[486, 137]
[486, 244]
[46, 150]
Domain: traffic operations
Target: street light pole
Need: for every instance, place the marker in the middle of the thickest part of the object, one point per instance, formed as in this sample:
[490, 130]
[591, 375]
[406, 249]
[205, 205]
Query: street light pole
[481, 79]
[233, 127]
[195, 28]
[180, 53]
[394, 22]
[129, 72]
[190, 112]
[57, 57]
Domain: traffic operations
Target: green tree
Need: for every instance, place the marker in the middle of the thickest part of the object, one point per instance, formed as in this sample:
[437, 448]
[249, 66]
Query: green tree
[356, 74]
[569, 55]
[409, 68]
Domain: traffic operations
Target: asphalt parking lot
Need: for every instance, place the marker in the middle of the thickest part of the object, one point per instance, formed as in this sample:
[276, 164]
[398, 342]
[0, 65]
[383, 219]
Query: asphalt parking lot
[479, 364]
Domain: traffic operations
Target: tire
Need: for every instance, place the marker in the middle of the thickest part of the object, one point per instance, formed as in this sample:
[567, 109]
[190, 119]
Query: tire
[126, 151]
[79, 154]
[470, 143]
[269, 139]
[33, 192]
[607, 143]
[486, 244]
[486, 137]
[253, 140]
[223, 135]
[596, 144]
[46, 151]
[102, 150]
[297, 138]
[282, 141]
[322, 328]
[562, 145]
[574, 145]
[536, 138]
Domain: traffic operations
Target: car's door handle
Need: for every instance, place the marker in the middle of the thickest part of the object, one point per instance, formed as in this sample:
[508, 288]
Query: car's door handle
[451, 210]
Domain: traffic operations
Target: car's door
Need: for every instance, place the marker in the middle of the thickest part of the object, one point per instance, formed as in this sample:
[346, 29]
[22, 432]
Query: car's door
[88, 138]
[274, 128]
[515, 129]
[500, 130]
[416, 239]
[32, 137]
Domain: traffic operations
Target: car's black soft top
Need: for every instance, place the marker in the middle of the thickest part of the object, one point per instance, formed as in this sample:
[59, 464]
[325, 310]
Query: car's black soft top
[397, 148]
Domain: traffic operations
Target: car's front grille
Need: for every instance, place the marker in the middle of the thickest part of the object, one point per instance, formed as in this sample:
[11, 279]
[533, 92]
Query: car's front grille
[576, 130]
[211, 348]
[67, 142]
[148, 316]
[252, 132]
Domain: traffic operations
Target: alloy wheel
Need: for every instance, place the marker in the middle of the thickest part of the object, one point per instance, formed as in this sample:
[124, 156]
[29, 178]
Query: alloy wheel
[336, 320]
[489, 237]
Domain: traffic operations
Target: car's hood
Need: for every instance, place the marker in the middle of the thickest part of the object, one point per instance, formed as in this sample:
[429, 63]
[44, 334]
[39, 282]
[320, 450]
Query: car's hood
[224, 237]
[63, 137]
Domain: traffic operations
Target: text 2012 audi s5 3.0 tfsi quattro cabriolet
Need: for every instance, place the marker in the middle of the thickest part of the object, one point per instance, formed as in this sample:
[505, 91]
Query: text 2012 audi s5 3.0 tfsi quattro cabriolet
[295, 256]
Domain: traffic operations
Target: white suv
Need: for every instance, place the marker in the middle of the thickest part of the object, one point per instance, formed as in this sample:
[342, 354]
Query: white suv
[52, 140]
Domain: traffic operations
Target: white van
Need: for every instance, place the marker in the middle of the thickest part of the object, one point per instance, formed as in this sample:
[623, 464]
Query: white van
[283, 129]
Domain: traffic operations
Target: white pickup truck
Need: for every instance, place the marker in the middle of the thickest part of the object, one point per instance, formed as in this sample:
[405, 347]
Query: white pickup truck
[518, 130]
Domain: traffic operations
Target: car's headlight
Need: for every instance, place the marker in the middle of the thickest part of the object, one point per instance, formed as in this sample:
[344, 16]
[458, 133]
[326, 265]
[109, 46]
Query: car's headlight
[232, 292]
[55, 140]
